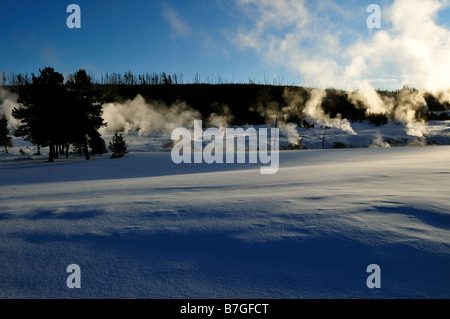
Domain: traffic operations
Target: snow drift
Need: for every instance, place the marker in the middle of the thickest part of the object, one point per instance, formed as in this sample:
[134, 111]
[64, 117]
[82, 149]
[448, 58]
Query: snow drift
[143, 227]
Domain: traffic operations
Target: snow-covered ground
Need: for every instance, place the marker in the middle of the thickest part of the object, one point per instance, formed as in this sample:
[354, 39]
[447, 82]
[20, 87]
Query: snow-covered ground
[144, 227]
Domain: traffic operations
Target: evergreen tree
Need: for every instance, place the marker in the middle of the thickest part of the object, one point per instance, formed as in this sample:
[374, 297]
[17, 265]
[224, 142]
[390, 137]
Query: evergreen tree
[5, 140]
[117, 146]
[42, 110]
[97, 144]
[86, 111]
[55, 114]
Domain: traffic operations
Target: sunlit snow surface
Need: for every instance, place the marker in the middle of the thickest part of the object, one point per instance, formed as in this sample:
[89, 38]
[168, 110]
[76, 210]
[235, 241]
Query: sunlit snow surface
[143, 227]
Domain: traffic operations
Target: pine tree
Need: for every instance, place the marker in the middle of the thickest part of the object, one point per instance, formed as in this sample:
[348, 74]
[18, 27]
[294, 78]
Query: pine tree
[42, 111]
[56, 114]
[117, 146]
[97, 144]
[85, 112]
[5, 140]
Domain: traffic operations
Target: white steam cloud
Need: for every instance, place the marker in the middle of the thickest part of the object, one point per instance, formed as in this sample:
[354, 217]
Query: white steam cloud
[314, 111]
[221, 120]
[411, 48]
[371, 100]
[379, 141]
[408, 104]
[8, 101]
[289, 130]
[145, 117]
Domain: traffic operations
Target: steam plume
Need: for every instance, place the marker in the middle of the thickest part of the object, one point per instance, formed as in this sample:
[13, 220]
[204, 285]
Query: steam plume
[408, 104]
[289, 130]
[412, 48]
[378, 141]
[220, 119]
[313, 110]
[8, 101]
[145, 117]
[371, 100]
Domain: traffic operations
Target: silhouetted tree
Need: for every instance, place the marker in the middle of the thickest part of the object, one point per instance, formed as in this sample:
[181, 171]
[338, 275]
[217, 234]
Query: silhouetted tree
[164, 78]
[55, 114]
[5, 140]
[42, 109]
[86, 112]
[117, 146]
[97, 144]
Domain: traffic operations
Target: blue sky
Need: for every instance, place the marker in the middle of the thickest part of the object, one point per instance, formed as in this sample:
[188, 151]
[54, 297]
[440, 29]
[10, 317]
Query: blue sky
[235, 39]
[117, 36]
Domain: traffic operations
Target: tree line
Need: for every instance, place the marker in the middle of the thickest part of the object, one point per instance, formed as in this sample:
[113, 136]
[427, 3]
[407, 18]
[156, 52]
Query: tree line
[55, 113]
[113, 78]
[147, 78]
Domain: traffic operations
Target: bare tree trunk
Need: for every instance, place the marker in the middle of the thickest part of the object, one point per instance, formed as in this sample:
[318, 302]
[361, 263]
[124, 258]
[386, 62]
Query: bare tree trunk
[51, 153]
[86, 150]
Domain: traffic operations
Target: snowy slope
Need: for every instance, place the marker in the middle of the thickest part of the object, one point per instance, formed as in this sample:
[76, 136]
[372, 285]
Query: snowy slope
[143, 227]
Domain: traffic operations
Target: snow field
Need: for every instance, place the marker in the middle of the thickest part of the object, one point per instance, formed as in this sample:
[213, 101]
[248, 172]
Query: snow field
[143, 227]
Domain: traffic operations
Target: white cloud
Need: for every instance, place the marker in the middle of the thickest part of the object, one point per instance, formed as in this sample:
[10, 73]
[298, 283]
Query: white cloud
[326, 50]
[178, 27]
